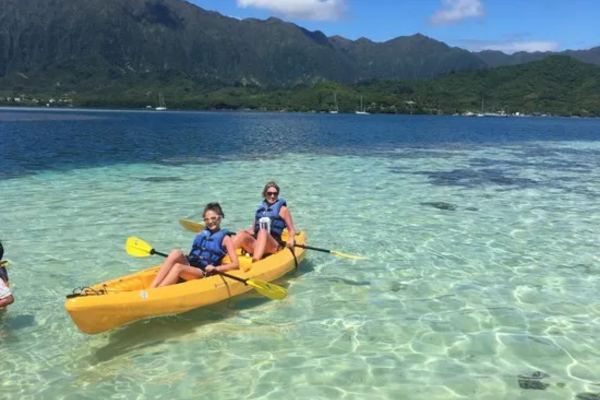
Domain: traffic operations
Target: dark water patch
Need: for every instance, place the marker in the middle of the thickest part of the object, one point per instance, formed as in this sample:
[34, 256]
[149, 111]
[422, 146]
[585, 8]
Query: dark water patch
[160, 179]
[216, 159]
[397, 286]
[588, 396]
[580, 269]
[21, 321]
[440, 205]
[428, 154]
[473, 178]
[532, 150]
[399, 170]
[561, 165]
[4, 176]
[565, 179]
[533, 382]
[540, 341]
[346, 281]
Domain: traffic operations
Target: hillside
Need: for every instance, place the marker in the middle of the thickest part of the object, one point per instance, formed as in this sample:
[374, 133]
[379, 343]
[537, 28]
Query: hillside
[124, 52]
[498, 59]
[558, 85]
[85, 45]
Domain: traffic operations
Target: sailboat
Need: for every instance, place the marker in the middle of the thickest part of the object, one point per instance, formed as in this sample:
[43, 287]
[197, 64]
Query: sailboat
[481, 114]
[362, 110]
[337, 110]
[161, 103]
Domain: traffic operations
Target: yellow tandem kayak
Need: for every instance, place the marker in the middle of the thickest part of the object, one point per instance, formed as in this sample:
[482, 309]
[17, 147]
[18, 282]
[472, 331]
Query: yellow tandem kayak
[110, 304]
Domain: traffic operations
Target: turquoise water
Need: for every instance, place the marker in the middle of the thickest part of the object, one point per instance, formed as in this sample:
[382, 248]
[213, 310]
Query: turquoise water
[483, 266]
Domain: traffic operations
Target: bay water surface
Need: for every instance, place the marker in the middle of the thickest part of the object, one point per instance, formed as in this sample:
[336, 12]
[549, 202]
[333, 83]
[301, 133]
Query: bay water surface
[481, 235]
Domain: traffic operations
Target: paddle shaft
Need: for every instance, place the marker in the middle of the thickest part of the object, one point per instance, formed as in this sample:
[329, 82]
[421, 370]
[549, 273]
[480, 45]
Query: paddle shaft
[313, 248]
[235, 278]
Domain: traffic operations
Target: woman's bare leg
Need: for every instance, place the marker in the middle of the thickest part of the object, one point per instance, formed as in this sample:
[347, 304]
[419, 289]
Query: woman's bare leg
[177, 269]
[245, 241]
[264, 244]
[7, 301]
[175, 257]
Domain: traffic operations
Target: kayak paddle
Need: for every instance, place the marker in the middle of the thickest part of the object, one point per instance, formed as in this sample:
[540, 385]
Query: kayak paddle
[3, 264]
[191, 226]
[197, 227]
[138, 248]
[334, 252]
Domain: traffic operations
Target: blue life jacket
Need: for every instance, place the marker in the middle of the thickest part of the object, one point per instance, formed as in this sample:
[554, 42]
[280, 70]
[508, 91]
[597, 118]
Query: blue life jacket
[272, 211]
[208, 248]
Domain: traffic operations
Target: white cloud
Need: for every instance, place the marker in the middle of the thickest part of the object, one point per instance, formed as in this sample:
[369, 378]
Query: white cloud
[529, 46]
[509, 46]
[317, 10]
[457, 10]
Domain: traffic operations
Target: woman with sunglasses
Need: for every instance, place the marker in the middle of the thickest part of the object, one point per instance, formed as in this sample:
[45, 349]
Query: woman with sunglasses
[271, 218]
[208, 250]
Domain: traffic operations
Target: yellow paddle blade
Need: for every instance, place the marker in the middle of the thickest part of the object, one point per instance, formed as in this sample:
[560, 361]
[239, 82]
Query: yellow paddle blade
[267, 289]
[191, 226]
[4, 263]
[338, 253]
[137, 247]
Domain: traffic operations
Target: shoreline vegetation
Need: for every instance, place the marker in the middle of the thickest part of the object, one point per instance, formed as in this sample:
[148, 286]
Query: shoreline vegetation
[555, 86]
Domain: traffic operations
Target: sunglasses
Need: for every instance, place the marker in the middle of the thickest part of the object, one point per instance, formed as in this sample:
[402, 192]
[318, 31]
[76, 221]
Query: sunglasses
[211, 219]
[272, 193]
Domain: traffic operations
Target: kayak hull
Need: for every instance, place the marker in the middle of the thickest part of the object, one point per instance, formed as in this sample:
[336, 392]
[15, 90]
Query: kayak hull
[121, 301]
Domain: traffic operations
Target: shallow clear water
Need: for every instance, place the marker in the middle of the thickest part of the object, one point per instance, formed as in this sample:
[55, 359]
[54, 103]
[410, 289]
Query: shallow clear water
[481, 236]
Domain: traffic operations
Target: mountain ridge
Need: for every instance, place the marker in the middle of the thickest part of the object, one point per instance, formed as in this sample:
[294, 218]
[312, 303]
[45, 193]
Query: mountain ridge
[116, 37]
[92, 45]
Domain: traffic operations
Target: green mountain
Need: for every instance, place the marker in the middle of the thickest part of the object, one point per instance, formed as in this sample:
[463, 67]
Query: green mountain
[124, 52]
[86, 44]
[498, 59]
[557, 85]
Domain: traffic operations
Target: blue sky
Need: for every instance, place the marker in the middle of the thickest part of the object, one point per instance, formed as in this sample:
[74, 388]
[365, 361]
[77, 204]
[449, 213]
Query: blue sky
[506, 25]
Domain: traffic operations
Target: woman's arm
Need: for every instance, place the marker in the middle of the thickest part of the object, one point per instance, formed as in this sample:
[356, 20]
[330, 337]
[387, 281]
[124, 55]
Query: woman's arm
[287, 217]
[234, 264]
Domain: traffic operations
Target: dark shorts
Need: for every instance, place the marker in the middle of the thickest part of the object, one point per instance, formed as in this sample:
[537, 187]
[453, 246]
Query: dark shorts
[196, 264]
[277, 238]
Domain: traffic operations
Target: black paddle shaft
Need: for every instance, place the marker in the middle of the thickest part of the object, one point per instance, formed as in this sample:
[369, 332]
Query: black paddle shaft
[312, 248]
[235, 278]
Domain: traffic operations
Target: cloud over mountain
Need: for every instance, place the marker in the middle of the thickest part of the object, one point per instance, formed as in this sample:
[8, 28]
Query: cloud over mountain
[456, 11]
[316, 10]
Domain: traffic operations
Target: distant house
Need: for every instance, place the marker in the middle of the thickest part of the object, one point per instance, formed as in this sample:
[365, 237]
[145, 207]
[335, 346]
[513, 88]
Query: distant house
[410, 103]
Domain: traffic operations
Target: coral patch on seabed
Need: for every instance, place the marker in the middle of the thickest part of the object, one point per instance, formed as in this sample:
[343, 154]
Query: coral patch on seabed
[534, 381]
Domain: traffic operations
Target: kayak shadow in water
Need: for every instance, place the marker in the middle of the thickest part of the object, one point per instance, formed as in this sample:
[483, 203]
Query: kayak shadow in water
[142, 336]
[15, 322]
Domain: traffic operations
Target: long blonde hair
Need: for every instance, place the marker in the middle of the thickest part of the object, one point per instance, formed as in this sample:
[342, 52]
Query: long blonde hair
[270, 184]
